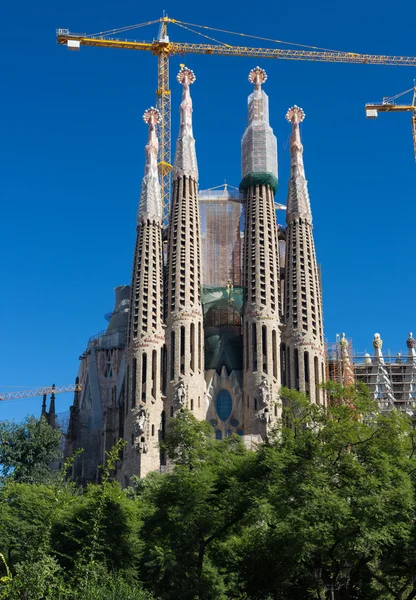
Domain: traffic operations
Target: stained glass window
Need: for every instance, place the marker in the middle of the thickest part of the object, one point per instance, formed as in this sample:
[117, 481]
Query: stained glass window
[224, 405]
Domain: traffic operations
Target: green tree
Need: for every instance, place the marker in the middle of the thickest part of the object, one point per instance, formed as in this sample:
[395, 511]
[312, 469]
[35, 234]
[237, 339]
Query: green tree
[27, 449]
[337, 498]
[207, 497]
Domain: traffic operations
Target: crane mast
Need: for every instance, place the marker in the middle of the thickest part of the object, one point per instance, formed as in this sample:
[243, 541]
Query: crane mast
[163, 48]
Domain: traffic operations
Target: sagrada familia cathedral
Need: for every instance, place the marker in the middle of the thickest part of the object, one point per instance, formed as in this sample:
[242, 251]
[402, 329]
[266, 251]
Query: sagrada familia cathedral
[224, 306]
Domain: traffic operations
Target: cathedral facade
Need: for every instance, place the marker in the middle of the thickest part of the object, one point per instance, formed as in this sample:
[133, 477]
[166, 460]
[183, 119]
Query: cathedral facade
[223, 309]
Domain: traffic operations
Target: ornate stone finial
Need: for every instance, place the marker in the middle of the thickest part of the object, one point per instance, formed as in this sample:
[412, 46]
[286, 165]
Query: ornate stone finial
[343, 341]
[367, 359]
[185, 164]
[151, 115]
[295, 115]
[411, 342]
[257, 76]
[150, 205]
[186, 76]
[377, 342]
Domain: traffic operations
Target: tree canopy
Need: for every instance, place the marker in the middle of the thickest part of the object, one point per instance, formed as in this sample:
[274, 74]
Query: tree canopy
[325, 508]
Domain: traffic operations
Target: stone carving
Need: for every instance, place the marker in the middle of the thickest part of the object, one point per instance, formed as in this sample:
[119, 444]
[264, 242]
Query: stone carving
[377, 342]
[367, 359]
[264, 392]
[411, 342]
[180, 394]
[141, 421]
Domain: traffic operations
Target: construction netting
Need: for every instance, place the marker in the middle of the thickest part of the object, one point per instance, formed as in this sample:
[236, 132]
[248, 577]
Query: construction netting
[222, 224]
[258, 144]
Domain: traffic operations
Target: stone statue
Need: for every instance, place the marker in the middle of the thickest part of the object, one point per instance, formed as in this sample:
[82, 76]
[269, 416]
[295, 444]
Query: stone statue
[264, 392]
[141, 421]
[180, 394]
[367, 359]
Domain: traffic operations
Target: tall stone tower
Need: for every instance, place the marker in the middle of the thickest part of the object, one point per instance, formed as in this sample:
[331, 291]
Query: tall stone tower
[184, 319]
[261, 320]
[305, 360]
[145, 335]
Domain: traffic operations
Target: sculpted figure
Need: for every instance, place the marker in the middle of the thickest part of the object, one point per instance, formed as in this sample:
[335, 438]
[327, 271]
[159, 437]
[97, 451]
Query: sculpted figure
[180, 394]
[141, 420]
[264, 392]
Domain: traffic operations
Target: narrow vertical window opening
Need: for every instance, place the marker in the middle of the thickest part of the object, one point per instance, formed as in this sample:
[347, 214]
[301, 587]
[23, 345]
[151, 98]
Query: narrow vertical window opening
[254, 345]
[296, 367]
[264, 347]
[192, 341]
[144, 375]
[182, 349]
[133, 383]
[172, 355]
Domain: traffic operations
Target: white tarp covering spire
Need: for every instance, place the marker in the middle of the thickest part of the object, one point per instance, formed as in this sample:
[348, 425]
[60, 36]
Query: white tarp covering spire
[258, 144]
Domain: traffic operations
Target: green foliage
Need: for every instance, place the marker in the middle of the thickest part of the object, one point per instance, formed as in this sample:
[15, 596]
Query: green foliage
[324, 509]
[27, 449]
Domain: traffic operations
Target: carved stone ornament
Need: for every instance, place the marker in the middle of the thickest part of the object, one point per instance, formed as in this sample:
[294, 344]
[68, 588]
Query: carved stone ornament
[411, 342]
[377, 342]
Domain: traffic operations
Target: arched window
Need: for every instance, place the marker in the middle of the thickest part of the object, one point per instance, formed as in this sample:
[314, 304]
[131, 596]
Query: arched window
[218, 435]
[224, 405]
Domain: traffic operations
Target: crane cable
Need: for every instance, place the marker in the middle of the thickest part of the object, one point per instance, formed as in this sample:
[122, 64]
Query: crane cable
[402, 94]
[202, 35]
[121, 29]
[256, 37]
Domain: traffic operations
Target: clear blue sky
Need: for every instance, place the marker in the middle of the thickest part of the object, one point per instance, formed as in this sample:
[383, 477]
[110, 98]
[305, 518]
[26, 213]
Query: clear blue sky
[71, 162]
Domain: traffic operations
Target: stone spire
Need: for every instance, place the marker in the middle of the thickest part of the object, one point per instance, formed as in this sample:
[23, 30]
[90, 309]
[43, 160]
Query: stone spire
[150, 205]
[261, 320]
[184, 320]
[52, 413]
[298, 197]
[185, 156]
[258, 144]
[44, 413]
[305, 359]
[347, 375]
[380, 384]
[145, 333]
[409, 388]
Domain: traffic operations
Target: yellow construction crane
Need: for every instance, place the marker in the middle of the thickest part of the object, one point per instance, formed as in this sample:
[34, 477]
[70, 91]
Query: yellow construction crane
[388, 104]
[163, 48]
[40, 392]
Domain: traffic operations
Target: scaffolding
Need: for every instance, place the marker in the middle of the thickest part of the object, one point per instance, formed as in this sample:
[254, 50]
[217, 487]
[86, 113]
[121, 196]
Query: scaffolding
[222, 224]
[391, 378]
